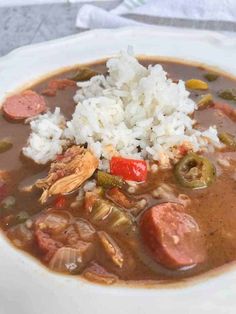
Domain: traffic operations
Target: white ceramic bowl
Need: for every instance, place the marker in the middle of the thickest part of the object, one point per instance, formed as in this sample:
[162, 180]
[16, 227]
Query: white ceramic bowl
[28, 288]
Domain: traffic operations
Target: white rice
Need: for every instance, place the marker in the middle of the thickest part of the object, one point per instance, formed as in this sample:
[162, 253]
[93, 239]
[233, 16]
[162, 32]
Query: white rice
[89, 185]
[45, 140]
[134, 111]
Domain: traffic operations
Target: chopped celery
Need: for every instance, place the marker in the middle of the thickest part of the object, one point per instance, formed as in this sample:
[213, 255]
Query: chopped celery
[107, 180]
[84, 74]
[5, 145]
[205, 101]
[211, 77]
[104, 212]
[228, 94]
[228, 139]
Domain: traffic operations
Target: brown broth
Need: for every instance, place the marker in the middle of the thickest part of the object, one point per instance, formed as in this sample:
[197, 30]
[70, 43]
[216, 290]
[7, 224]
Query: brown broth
[213, 208]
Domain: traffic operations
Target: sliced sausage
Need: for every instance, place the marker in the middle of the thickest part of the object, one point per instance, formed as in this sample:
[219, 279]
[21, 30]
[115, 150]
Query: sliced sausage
[46, 244]
[25, 105]
[173, 237]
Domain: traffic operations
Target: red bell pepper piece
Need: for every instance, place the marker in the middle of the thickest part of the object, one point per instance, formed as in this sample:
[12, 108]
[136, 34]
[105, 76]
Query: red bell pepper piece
[59, 157]
[129, 169]
[183, 150]
[60, 202]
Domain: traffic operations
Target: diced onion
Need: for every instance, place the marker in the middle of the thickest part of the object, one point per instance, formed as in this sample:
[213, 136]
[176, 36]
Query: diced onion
[54, 221]
[85, 229]
[67, 259]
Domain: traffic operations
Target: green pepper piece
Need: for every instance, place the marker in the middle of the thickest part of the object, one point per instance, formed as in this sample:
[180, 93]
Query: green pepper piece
[8, 202]
[194, 171]
[228, 94]
[22, 217]
[84, 74]
[107, 180]
[228, 139]
[5, 146]
[211, 76]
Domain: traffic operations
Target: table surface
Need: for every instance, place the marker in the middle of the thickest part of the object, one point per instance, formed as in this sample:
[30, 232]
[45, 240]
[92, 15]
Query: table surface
[30, 24]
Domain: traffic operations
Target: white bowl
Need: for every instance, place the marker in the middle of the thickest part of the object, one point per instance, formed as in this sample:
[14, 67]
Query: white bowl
[28, 288]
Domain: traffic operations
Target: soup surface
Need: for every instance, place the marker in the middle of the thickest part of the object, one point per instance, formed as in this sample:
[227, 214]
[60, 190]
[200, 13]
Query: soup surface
[140, 222]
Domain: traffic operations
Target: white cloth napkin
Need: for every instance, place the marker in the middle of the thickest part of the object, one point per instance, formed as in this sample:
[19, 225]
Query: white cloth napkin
[11, 3]
[90, 16]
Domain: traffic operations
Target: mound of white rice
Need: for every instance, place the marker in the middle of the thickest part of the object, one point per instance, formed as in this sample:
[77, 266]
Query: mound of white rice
[134, 111]
[46, 139]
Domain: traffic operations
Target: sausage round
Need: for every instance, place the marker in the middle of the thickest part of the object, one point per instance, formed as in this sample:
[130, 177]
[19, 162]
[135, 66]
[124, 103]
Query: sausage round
[172, 236]
[25, 105]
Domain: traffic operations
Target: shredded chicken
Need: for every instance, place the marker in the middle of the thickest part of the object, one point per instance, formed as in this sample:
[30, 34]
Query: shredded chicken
[68, 172]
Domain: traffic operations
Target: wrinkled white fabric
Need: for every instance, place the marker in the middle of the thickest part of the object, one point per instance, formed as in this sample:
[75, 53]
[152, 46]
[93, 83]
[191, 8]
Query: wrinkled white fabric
[10, 3]
[89, 16]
